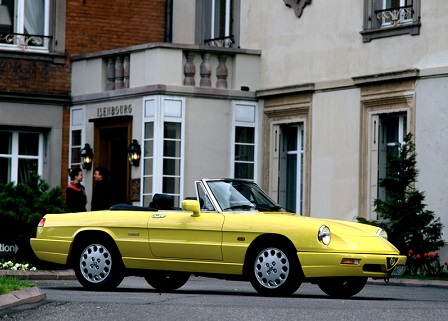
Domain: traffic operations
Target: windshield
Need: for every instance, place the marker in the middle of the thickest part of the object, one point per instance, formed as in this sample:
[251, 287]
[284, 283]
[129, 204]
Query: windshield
[242, 195]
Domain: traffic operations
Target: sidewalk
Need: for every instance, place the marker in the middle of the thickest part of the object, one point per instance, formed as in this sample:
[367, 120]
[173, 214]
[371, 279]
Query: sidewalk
[34, 294]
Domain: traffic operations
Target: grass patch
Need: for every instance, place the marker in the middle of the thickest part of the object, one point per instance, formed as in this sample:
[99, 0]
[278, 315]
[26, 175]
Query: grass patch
[8, 284]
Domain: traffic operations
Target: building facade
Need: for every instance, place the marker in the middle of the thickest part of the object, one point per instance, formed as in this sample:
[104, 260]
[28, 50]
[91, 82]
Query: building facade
[305, 102]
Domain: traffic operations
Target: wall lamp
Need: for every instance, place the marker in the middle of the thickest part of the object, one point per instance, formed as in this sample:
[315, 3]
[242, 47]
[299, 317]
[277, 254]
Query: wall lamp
[134, 153]
[87, 157]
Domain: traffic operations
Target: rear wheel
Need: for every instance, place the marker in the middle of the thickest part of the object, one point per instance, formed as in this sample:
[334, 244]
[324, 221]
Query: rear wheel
[343, 287]
[167, 281]
[98, 265]
[275, 271]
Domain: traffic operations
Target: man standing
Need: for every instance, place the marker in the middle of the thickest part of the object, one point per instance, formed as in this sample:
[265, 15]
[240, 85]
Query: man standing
[101, 196]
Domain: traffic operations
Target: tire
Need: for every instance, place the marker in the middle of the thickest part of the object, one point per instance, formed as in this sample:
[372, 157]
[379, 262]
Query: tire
[343, 287]
[274, 271]
[167, 281]
[98, 265]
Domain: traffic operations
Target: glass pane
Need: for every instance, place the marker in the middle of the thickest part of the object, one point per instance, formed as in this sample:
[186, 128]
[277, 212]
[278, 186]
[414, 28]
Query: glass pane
[171, 167]
[26, 167]
[5, 170]
[171, 148]
[149, 130]
[244, 170]
[146, 200]
[76, 155]
[149, 148]
[245, 135]
[5, 142]
[148, 163]
[292, 138]
[171, 130]
[76, 138]
[29, 144]
[171, 185]
[291, 182]
[34, 21]
[244, 153]
[147, 185]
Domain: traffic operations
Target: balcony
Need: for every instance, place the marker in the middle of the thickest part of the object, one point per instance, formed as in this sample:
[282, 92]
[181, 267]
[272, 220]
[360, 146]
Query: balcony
[165, 68]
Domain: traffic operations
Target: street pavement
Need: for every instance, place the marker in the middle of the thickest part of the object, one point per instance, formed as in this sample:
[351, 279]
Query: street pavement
[34, 294]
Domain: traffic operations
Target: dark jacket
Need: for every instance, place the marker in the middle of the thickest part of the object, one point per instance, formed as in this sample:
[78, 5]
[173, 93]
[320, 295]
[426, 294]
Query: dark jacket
[76, 198]
[101, 196]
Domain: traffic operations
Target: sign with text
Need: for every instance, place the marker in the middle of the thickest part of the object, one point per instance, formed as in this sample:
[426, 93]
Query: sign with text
[8, 249]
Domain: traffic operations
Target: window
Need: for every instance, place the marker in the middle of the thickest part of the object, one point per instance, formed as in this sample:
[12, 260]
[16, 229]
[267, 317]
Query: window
[385, 18]
[289, 139]
[218, 22]
[163, 147]
[24, 24]
[387, 127]
[244, 142]
[391, 132]
[76, 136]
[21, 153]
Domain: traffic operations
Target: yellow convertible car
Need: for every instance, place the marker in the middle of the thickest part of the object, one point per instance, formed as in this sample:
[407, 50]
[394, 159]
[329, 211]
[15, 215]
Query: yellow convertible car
[230, 230]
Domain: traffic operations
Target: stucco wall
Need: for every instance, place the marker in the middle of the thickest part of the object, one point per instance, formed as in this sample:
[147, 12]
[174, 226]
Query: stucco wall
[335, 154]
[325, 43]
[207, 140]
[431, 140]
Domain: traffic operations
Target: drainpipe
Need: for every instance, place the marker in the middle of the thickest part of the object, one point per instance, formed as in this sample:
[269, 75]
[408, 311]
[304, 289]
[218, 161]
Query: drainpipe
[169, 21]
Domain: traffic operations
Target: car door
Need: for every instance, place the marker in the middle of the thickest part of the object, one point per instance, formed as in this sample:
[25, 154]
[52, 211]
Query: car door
[179, 235]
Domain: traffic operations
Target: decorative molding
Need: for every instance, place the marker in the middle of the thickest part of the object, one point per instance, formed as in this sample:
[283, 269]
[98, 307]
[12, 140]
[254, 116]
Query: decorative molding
[297, 5]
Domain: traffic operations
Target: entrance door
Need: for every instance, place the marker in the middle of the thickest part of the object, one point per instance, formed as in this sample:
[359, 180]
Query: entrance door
[111, 143]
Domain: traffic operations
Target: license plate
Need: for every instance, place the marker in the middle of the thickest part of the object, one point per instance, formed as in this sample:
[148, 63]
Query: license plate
[399, 270]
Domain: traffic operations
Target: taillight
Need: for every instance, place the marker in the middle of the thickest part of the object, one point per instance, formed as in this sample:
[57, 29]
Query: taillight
[41, 223]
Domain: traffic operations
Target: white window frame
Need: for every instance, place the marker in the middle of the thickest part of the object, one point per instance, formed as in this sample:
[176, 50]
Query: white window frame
[19, 41]
[160, 110]
[244, 114]
[374, 170]
[77, 121]
[15, 157]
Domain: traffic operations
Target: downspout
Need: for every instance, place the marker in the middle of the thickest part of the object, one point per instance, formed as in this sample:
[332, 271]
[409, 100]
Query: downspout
[169, 21]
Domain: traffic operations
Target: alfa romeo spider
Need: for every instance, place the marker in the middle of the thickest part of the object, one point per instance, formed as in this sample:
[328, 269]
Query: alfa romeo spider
[231, 230]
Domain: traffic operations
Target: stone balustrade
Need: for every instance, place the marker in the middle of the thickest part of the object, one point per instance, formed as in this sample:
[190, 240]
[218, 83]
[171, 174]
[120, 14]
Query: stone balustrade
[176, 66]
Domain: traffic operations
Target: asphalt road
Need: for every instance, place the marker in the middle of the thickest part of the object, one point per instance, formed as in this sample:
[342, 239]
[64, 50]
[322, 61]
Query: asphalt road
[209, 299]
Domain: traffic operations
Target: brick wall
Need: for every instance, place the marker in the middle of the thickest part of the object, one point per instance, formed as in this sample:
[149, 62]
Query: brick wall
[34, 76]
[97, 25]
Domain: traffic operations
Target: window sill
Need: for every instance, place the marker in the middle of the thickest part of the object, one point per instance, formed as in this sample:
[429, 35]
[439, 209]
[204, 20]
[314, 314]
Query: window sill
[54, 58]
[411, 29]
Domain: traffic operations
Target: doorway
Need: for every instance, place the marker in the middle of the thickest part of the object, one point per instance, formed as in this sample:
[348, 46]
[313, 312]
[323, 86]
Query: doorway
[111, 143]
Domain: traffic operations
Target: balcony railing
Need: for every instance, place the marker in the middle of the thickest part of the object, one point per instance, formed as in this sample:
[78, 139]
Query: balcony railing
[394, 16]
[24, 40]
[149, 66]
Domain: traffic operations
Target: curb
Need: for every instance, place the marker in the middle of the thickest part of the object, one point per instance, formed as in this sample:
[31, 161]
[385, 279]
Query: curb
[41, 274]
[19, 297]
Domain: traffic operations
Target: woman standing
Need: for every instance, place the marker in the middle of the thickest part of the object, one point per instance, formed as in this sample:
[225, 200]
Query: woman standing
[76, 197]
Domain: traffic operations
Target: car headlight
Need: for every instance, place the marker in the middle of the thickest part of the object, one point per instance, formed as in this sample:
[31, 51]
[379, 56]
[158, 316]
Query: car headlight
[324, 235]
[382, 233]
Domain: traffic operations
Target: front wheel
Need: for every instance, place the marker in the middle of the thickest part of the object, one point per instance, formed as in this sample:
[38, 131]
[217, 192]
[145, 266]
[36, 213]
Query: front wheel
[98, 266]
[275, 271]
[167, 281]
[343, 287]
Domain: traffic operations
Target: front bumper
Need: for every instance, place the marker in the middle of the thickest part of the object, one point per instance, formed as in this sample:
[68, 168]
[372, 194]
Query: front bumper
[316, 265]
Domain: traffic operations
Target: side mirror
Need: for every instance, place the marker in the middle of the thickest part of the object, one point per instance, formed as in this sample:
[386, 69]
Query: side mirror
[192, 206]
